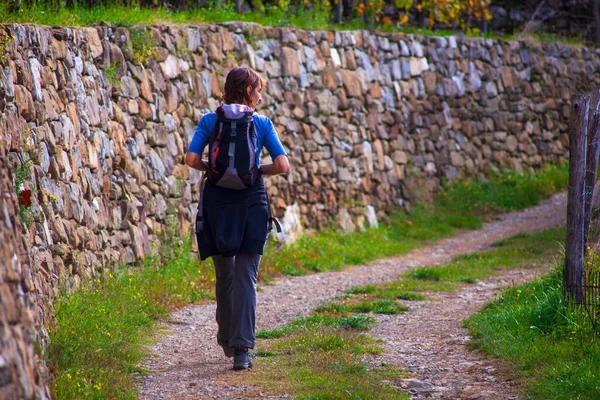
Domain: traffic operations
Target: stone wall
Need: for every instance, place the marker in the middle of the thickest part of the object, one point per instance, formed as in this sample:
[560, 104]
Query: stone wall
[371, 121]
[20, 374]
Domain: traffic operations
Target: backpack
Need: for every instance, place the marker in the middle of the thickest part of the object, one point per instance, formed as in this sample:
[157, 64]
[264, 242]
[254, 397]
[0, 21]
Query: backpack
[232, 149]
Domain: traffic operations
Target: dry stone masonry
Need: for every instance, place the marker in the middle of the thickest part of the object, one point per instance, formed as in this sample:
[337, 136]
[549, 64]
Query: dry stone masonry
[371, 121]
[21, 368]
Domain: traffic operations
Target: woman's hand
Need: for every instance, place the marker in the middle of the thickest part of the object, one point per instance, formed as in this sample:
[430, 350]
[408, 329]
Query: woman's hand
[195, 161]
[279, 166]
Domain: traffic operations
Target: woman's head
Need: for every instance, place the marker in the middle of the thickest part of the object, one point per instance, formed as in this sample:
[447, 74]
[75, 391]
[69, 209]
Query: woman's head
[243, 85]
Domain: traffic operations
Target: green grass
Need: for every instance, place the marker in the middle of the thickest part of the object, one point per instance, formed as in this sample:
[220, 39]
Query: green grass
[322, 356]
[323, 362]
[520, 251]
[502, 192]
[328, 364]
[128, 16]
[99, 334]
[550, 344]
[313, 357]
[388, 290]
[464, 204]
[376, 306]
[360, 322]
[318, 18]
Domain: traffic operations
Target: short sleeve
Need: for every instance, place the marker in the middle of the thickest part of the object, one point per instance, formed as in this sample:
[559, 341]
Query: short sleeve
[200, 139]
[271, 140]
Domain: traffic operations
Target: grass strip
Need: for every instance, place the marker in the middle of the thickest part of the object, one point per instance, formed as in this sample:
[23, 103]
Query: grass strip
[311, 357]
[550, 344]
[314, 19]
[463, 204]
[99, 334]
[100, 331]
[324, 359]
[317, 18]
[324, 364]
[520, 251]
[316, 321]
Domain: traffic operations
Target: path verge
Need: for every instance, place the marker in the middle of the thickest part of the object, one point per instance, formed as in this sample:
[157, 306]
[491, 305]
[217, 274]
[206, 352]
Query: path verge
[191, 365]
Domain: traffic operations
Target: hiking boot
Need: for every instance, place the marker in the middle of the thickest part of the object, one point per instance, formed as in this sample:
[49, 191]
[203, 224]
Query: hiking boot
[229, 351]
[241, 359]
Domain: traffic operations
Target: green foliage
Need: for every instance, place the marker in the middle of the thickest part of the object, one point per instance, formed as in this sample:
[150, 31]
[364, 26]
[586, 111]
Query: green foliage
[322, 362]
[551, 344]
[520, 251]
[5, 39]
[502, 192]
[318, 14]
[100, 331]
[388, 290]
[300, 17]
[112, 75]
[548, 37]
[462, 204]
[384, 306]
[22, 175]
[403, 4]
[311, 353]
[328, 365]
[142, 45]
[317, 321]
[459, 12]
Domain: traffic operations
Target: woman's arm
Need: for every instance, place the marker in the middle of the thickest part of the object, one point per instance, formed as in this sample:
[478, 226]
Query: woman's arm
[195, 161]
[193, 157]
[279, 166]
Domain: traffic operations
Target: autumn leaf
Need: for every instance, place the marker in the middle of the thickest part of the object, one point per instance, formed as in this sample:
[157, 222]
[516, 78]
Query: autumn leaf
[25, 198]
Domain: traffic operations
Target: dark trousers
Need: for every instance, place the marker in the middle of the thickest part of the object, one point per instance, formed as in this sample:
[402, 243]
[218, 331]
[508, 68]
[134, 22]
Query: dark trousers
[236, 299]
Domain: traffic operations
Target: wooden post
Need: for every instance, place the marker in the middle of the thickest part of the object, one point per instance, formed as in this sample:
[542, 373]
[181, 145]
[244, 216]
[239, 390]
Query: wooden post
[337, 16]
[575, 198]
[591, 161]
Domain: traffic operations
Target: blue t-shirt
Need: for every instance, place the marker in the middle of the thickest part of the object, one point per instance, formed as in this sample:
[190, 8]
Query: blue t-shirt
[265, 131]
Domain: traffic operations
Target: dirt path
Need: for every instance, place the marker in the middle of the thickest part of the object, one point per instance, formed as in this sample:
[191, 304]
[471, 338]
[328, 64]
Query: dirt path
[428, 340]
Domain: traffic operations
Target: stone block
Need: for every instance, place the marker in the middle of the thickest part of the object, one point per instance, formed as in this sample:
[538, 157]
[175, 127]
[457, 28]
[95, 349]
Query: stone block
[351, 83]
[290, 64]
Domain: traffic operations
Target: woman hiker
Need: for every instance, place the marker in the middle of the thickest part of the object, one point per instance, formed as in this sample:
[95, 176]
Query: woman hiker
[234, 217]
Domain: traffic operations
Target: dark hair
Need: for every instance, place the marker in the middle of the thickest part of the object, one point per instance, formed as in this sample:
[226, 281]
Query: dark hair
[238, 79]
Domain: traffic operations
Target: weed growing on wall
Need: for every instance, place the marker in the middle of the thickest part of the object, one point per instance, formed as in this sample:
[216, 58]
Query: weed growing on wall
[112, 75]
[142, 44]
[5, 39]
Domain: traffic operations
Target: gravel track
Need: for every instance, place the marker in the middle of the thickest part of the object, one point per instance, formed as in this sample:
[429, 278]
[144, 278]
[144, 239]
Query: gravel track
[428, 340]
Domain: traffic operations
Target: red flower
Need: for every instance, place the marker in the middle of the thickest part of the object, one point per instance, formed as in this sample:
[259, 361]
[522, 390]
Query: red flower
[25, 198]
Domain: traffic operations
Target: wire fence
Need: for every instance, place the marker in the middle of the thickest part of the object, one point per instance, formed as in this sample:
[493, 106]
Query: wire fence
[591, 297]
